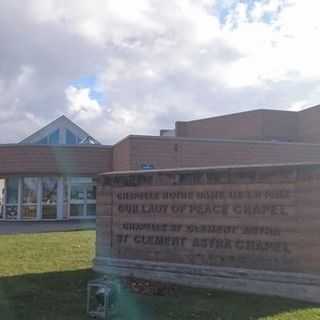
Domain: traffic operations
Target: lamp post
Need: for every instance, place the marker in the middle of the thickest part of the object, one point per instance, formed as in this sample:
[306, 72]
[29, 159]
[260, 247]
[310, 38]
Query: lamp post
[102, 295]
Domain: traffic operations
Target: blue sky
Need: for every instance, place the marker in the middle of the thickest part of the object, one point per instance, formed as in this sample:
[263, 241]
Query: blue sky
[91, 82]
[118, 67]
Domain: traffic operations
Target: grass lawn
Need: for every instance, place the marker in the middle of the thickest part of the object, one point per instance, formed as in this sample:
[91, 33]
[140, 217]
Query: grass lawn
[44, 277]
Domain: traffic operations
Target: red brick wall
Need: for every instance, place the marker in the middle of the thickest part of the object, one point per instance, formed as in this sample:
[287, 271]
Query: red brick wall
[230, 153]
[244, 125]
[32, 159]
[160, 152]
[163, 152]
[280, 125]
[251, 125]
[121, 155]
[309, 125]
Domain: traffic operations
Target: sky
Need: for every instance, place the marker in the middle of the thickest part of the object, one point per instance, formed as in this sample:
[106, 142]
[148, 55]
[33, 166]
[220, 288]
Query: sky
[119, 67]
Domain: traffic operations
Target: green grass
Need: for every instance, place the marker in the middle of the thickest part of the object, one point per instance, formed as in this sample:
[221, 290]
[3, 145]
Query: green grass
[44, 277]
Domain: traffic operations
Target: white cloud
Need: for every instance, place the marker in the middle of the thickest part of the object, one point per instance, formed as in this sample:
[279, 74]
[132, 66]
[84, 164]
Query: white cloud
[81, 105]
[156, 61]
[281, 48]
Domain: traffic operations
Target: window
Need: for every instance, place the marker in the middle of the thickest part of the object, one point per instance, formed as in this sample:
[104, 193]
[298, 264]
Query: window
[82, 197]
[49, 197]
[30, 189]
[76, 210]
[91, 210]
[11, 212]
[88, 140]
[43, 141]
[2, 184]
[71, 138]
[81, 180]
[77, 200]
[29, 197]
[12, 191]
[91, 192]
[54, 137]
[65, 197]
[77, 192]
[91, 200]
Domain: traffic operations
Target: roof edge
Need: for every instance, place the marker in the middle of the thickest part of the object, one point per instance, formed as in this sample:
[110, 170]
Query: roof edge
[188, 169]
[50, 123]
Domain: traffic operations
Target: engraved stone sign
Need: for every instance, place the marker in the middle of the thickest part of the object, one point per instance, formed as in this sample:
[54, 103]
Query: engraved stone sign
[254, 229]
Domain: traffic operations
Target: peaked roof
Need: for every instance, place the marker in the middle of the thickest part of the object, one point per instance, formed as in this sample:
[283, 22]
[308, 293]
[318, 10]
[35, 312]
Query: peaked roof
[60, 123]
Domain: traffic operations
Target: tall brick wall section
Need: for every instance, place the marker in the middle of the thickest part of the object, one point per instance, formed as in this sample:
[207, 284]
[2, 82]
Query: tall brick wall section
[309, 129]
[32, 159]
[161, 153]
[121, 155]
[164, 152]
[251, 125]
[244, 125]
[279, 125]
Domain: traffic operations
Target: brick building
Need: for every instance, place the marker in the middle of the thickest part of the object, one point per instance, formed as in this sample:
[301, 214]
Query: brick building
[51, 174]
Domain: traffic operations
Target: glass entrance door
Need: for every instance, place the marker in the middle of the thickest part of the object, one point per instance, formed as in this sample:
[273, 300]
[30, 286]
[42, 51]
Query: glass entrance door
[90, 200]
[12, 198]
[2, 197]
[77, 200]
[49, 197]
[82, 197]
[30, 187]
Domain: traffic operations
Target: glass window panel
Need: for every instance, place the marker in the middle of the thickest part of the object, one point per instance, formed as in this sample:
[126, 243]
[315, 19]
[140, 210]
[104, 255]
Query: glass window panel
[70, 137]
[91, 192]
[88, 140]
[65, 210]
[49, 212]
[42, 141]
[2, 185]
[76, 210]
[29, 212]
[91, 209]
[30, 190]
[54, 137]
[49, 190]
[11, 212]
[65, 190]
[77, 192]
[12, 185]
[81, 180]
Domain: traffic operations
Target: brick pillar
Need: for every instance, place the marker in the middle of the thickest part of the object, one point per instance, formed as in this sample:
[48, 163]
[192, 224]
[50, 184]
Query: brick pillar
[104, 219]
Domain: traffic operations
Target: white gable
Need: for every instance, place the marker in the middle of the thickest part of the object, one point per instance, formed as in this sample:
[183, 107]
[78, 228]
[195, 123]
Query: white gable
[60, 131]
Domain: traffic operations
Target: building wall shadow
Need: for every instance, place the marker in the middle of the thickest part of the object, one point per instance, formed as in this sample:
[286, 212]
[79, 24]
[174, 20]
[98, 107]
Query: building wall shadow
[46, 296]
[62, 296]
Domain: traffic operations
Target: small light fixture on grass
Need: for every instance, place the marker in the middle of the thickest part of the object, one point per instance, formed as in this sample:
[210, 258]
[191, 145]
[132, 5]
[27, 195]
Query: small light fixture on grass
[102, 296]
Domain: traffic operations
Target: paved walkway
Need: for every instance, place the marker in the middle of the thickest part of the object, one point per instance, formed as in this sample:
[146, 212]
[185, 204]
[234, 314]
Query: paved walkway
[14, 227]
